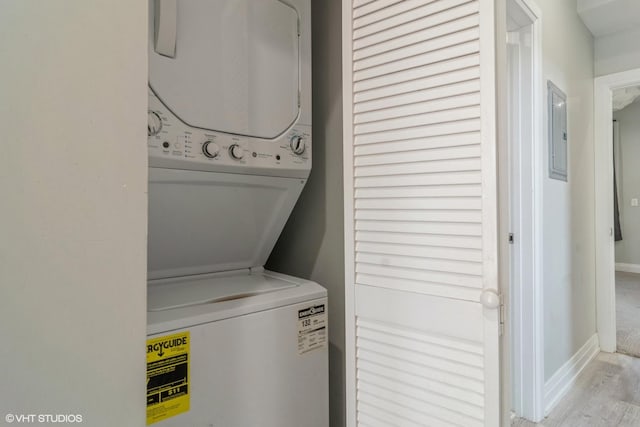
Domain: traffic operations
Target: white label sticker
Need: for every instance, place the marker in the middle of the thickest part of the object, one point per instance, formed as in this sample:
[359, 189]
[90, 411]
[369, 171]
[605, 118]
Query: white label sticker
[312, 328]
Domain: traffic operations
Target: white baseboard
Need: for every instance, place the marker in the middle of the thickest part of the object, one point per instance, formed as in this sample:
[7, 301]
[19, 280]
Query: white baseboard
[629, 268]
[565, 377]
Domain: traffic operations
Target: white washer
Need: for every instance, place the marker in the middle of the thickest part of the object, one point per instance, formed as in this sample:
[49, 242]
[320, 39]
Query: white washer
[229, 153]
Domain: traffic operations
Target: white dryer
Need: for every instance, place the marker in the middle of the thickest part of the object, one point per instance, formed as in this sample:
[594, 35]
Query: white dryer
[230, 344]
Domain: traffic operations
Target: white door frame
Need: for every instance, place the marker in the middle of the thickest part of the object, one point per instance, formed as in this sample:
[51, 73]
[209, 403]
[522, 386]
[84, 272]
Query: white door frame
[521, 207]
[605, 250]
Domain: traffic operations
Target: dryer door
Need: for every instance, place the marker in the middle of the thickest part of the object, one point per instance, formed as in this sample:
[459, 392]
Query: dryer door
[232, 65]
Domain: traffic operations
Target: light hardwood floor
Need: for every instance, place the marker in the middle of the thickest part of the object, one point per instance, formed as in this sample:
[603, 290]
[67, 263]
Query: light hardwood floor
[607, 394]
[628, 313]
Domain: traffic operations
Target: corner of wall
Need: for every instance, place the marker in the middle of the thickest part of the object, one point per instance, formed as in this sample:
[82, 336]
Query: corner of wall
[567, 376]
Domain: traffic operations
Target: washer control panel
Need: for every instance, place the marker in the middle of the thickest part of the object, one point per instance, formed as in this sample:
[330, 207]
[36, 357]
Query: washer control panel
[173, 144]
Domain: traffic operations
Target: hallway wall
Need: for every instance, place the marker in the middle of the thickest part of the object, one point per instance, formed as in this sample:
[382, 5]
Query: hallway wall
[628, 250]
[73, 235]
[568, 207]
[312, 243]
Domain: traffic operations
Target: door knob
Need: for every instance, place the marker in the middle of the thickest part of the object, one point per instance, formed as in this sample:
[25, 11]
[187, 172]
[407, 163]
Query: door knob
[489, 298]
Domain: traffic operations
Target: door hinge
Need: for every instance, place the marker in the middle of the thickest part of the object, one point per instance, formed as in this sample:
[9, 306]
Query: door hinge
[511, 238]
[502, 316]
[491, 299]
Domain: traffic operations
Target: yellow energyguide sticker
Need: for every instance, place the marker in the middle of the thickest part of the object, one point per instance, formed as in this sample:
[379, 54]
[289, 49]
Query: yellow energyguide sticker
[167, 376]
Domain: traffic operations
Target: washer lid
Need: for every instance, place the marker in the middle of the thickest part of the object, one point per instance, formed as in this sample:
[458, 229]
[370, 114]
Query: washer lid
[205, 222]
[197, 290]
[169, 308]
[232, 65]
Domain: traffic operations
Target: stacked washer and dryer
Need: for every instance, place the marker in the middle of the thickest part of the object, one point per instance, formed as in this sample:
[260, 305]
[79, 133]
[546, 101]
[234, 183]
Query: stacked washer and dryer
[229, 153]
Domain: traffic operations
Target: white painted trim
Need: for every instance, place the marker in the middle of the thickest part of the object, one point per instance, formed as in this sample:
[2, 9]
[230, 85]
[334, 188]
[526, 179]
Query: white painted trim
[503, 209]
[627, 268]
[488, 132]
[349, 229]
[503, 222]
[603, 165]
[526, 341]
[536, 325]
[565, 377]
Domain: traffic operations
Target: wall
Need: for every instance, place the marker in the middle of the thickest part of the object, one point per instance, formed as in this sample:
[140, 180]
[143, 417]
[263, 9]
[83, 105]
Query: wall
[617, 52]
[568, 207]
[628, 250]
[615, 25]
[73, 230]
[312, 243]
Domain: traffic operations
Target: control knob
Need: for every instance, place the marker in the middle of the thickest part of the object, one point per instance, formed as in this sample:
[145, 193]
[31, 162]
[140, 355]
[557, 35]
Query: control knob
[154, 124]
[210, 149]
[297, 144]
[236, 152]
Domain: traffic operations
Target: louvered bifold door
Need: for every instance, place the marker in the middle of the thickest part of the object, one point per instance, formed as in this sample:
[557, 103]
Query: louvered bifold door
[421, 213]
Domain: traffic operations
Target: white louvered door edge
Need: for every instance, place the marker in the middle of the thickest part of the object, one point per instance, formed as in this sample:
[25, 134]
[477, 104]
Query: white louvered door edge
[420, 213]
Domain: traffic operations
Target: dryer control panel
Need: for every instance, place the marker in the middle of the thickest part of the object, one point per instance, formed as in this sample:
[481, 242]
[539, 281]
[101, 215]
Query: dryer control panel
[175, 145]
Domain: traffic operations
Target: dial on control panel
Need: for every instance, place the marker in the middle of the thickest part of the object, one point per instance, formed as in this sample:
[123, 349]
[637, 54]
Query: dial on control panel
[210, 149]
[154, 123]
[236, 152]
[298, 145]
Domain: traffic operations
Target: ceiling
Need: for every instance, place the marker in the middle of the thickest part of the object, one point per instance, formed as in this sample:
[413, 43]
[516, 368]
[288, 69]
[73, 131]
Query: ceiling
[625, 97]
[604, 17]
